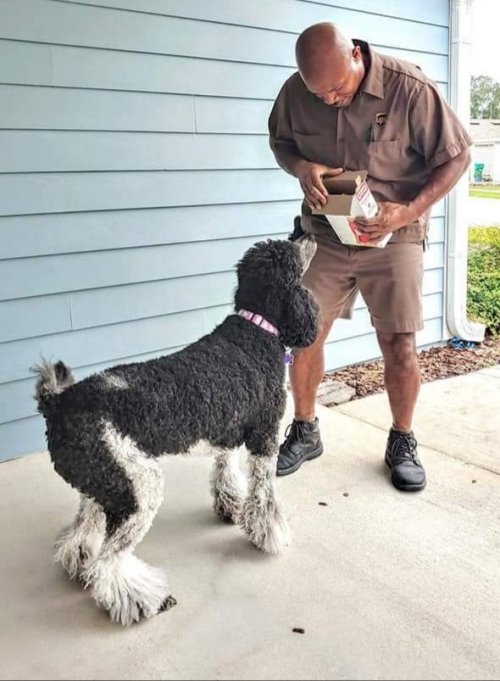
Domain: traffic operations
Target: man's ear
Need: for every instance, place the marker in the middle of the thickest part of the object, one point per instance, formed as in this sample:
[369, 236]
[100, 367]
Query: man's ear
[300, 324]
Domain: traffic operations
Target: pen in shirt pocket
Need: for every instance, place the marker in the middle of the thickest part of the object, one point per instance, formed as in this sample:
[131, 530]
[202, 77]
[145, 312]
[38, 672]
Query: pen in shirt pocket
[369, 134]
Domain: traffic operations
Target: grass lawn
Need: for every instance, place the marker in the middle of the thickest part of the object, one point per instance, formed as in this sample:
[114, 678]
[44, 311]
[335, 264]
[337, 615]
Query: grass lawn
[489, 191]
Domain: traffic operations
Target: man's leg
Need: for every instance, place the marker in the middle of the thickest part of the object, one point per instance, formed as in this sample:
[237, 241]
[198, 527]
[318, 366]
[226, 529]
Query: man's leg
[331, 281]
[306, 373]
[303, 441]
[401, 376]
[402, 381]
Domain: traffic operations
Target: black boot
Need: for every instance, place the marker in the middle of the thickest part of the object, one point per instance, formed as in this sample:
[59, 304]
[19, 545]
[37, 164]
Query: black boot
[407, 473]
[303, 442]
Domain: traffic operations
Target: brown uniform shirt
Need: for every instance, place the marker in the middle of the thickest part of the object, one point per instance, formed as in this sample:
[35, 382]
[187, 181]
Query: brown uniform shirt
[398, 127]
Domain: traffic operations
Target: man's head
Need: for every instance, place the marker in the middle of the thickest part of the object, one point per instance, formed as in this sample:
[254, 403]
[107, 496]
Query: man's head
[331, 67]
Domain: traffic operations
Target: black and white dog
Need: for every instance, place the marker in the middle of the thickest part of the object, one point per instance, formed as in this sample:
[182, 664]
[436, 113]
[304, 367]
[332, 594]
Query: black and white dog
[104, 434]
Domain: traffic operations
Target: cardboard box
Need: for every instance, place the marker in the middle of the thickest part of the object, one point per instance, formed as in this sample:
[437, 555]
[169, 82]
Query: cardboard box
[349, 197]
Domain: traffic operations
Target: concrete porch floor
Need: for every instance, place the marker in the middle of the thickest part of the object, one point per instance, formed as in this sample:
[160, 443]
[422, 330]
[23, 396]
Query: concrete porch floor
[386, 585]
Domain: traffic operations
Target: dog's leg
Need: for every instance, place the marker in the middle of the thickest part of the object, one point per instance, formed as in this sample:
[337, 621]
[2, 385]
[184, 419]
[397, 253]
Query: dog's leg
[228, 485]
[78, 544]
[121, 583]
[262, 520]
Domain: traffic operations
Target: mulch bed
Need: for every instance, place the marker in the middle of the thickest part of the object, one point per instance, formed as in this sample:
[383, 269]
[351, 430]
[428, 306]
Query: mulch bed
[439, 362]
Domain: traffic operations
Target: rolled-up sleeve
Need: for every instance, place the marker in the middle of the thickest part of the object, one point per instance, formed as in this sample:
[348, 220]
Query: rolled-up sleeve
[435, 130]
[280, 132]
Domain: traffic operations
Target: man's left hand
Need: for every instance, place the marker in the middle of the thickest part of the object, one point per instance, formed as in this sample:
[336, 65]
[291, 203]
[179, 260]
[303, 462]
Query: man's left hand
[390, 217]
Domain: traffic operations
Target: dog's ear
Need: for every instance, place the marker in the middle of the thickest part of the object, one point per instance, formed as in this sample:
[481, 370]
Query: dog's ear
[300, 323]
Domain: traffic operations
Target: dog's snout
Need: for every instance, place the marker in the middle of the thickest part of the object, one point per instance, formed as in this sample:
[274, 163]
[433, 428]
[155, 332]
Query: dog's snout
[308, 248]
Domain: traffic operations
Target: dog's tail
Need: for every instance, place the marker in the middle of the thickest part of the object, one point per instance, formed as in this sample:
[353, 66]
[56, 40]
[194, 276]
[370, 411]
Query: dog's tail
[53, 379]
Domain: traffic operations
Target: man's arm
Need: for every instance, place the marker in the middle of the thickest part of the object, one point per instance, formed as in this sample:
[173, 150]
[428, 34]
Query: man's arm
[281, 135]
[287, 155]
[441, 181]
[393, 216]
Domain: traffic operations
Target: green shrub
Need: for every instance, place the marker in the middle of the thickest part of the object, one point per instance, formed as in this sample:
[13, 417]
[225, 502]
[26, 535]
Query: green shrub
[483, 289]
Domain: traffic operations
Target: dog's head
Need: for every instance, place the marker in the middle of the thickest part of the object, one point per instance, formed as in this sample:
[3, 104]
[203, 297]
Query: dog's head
[270, 284]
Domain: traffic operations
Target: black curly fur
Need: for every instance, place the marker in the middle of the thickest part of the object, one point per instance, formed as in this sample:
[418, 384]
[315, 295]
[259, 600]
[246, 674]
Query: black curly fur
[227, 388]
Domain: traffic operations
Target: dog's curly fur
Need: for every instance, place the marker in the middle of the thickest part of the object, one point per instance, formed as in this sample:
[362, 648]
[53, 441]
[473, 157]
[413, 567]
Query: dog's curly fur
[105, 432]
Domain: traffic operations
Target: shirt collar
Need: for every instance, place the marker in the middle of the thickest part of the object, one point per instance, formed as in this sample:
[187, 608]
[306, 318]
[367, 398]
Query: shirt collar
[373, 82]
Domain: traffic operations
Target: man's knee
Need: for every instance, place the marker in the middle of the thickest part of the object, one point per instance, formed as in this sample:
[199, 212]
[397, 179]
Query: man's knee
[316, 348]
[399, 349]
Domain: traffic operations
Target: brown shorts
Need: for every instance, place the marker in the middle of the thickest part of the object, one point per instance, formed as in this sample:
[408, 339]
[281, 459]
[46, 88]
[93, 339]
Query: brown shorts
[389, 279]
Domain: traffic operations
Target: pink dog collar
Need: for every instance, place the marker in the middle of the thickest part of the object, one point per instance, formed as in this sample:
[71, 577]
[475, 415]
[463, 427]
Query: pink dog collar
[259, 320]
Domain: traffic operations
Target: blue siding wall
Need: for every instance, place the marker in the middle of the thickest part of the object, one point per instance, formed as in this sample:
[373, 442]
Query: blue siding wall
[135, 170]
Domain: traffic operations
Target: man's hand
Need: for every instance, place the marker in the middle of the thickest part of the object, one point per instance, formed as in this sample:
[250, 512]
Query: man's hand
[390, 217]
[310, 177]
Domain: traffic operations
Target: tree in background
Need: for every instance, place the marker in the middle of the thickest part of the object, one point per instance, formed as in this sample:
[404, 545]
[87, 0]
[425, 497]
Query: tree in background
[485, 97]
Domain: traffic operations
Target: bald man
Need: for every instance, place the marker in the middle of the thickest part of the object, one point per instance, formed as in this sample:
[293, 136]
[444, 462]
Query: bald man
[351, 108]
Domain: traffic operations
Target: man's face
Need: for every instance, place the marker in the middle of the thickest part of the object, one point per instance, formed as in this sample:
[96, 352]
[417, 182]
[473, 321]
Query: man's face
[336, 85]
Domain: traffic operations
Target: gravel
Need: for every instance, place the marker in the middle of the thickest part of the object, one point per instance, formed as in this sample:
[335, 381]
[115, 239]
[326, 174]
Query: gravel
[435, 363]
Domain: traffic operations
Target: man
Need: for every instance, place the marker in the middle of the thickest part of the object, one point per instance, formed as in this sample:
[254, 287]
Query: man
[349, 107]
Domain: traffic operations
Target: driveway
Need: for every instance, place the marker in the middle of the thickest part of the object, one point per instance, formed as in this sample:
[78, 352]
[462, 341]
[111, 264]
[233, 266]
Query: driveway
[483, 212]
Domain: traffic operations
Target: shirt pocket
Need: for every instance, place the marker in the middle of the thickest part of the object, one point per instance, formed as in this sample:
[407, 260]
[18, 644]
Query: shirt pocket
[315, 147]
[385, 160]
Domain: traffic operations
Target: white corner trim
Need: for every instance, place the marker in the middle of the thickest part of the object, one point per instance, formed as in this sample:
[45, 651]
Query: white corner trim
[456, 227]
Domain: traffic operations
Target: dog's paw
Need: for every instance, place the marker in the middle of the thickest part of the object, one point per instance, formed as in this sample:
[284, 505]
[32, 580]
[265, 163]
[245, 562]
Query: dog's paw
[129, 589]
[266, 528]
[228, 507]
[168, 603]
[72, 553]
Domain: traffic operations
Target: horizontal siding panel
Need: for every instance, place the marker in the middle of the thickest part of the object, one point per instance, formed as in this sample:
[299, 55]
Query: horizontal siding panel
[45, 151]
[68, 192]
[436, 230]
[16, 400]
[26, 277]
[151, 299]
[82, 26]
[29, 63]
[76, 192]
[33, 317]
[16, 397]
[99, 307]
[28, 235]
[38, 64]
[280, 14]
[91, 346]
[435, 66]
[90, 27]
[228, 115]
[433, 280]
[350, 351]
[434, 256]
[429, 11]
[65, 108]
[22, 437]
[38, 107]
[38, 316]
[134, 301]
[284, 15]
[439, 209]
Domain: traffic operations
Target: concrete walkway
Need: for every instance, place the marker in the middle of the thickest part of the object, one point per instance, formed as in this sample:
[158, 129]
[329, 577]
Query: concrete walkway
[386, 585]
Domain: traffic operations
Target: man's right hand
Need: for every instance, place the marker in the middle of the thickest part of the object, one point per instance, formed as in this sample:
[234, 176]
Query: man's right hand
[310, 175]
